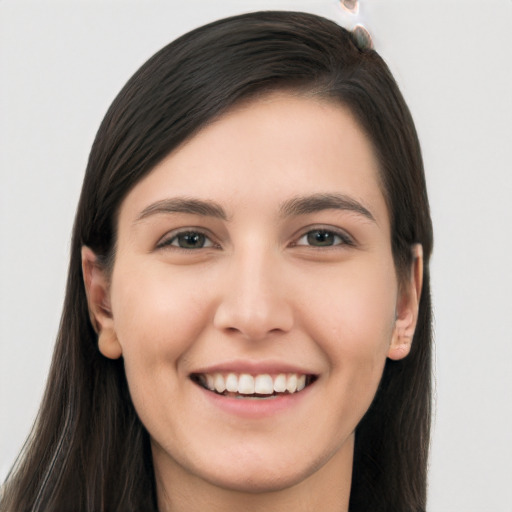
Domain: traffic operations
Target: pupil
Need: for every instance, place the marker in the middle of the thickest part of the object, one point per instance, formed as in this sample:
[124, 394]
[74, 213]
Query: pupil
[191, 240]
[320, 238]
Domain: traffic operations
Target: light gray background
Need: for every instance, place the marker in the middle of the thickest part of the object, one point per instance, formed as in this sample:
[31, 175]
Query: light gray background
[61, 64]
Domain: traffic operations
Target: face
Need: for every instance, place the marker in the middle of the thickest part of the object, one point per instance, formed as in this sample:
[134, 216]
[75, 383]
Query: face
[257, 256]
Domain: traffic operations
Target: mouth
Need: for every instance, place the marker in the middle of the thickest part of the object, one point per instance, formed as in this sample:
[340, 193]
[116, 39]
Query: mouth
[247, 386]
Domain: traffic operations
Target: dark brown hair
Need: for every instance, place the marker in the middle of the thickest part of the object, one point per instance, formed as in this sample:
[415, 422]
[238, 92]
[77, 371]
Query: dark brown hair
[88, 450]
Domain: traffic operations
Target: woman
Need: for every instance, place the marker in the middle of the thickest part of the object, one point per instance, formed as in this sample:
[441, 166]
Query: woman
[247, 316]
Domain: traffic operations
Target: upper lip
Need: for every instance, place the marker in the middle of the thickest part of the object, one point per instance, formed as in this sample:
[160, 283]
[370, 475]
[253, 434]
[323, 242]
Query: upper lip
[253, 368]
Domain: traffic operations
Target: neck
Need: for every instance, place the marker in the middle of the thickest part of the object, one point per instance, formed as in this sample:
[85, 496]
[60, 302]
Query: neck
[326, 488]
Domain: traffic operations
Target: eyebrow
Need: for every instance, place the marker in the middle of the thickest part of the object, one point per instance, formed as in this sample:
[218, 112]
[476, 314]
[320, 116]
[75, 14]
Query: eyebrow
[296, 206]
[184, 205]
[318, 202]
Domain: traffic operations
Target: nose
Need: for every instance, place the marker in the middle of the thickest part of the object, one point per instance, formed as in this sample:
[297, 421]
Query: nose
[254, 302]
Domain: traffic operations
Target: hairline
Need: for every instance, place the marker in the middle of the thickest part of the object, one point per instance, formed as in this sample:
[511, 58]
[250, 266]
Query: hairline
[317, 90]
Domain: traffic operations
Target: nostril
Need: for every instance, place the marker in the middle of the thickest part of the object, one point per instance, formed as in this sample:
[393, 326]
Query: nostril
[254, 321]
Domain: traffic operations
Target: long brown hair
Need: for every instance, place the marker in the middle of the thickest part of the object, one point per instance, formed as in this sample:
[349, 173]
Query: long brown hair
[88, 450]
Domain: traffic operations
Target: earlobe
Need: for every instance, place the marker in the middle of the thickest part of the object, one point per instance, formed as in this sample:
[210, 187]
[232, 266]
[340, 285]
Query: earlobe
[407, 308]
[98, 301]
[108, 344]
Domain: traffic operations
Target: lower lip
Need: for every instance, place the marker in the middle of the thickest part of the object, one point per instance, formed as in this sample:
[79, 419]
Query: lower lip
[255, 408]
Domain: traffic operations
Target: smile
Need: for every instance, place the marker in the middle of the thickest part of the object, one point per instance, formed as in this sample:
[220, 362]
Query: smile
[245, 385]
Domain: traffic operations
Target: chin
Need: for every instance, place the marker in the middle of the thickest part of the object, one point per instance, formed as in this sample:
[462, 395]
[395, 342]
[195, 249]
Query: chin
[248, 473]
[257, 480]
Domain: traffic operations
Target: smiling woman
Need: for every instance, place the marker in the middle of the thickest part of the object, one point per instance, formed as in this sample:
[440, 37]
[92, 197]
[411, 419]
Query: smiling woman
[247, 319]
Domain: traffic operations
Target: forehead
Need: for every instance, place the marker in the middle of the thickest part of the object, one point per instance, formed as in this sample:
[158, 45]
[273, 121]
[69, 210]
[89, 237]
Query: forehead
[265, 151]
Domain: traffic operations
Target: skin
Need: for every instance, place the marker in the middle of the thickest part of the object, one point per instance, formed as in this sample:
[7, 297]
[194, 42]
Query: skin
[258, 290]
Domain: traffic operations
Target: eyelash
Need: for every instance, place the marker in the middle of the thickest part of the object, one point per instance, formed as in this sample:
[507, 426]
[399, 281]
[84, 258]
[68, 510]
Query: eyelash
[169, 241]
[343, 239]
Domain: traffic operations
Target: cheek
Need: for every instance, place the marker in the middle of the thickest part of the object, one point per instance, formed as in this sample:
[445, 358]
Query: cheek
[357, 315]
[354, 328]
[156, 319]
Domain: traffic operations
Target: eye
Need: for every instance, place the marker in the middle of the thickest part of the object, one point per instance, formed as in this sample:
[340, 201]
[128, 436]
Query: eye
[324, 238]
[189, 239]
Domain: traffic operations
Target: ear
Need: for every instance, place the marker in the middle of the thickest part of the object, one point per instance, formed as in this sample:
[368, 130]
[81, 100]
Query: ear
[407, 308]
[98, 300]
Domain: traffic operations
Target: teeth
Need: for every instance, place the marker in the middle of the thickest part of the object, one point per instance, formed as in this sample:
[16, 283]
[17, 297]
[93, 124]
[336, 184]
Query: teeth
[218, 382]
[232, 383]
[245, 384]
[291, 383]
[263, 385]
[280, 383]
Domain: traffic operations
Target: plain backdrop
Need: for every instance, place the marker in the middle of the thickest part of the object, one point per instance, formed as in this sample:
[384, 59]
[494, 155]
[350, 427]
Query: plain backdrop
[62, 63]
